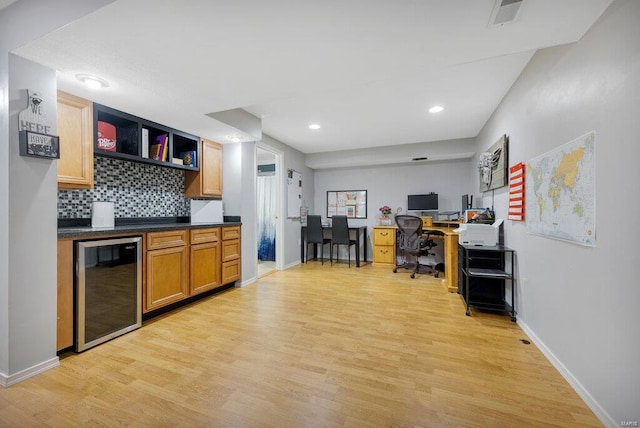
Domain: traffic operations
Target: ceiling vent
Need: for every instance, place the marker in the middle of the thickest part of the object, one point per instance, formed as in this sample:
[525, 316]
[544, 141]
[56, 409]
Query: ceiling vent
[505, 11]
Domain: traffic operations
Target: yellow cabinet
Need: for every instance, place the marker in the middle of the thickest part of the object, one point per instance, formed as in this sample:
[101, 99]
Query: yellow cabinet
[384, 244]
[205, 260]
[166, 269]
[206, 183]
[75, 129]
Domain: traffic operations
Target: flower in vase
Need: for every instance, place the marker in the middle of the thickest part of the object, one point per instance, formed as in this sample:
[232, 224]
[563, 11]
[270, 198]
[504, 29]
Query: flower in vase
[385, 210]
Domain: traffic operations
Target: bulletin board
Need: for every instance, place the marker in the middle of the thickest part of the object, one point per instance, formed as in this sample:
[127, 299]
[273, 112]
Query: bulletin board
[294, 193]
[352, 203]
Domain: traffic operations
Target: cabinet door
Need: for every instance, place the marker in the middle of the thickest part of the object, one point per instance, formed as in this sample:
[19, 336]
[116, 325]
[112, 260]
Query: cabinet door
[166, 279]
[230, 271]
[205, 267]
[65, 294]
[208, 181]
[75, 128]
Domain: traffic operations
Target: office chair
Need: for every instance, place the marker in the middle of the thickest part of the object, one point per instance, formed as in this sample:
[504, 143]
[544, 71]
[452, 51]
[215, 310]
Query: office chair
[340, 236]
[315, 236]
[412, 243]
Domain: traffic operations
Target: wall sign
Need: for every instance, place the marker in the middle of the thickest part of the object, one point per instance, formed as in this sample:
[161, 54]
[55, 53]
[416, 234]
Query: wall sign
[493, 165]
[35, 131]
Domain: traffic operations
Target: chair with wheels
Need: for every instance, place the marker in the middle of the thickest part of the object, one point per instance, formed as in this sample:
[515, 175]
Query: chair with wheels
[412, 244]
[340, 236]
[315, 236]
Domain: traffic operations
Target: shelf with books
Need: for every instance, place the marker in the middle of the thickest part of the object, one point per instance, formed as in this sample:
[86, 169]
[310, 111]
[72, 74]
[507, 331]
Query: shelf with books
[124, 136]
[185, 150]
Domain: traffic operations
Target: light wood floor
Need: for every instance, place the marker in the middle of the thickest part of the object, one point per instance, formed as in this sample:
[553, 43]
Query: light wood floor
[312, 346]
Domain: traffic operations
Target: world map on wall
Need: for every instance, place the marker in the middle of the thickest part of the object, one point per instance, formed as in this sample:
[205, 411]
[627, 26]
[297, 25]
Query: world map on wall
[560, 189]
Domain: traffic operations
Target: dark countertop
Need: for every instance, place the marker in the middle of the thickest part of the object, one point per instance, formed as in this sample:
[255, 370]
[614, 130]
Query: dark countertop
[88, 231]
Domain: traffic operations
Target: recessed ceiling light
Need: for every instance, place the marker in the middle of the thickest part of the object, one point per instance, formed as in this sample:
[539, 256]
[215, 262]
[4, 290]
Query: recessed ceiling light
[314, 126]
[93, 82]
[436, 109]
[234, 138]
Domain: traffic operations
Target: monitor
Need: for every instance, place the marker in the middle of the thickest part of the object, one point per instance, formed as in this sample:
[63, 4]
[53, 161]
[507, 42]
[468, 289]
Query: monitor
[427, 202]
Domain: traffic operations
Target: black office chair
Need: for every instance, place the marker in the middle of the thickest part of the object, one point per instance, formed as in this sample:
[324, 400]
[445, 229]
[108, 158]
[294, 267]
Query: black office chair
[315, 236]
[412, 243]
[340, 236]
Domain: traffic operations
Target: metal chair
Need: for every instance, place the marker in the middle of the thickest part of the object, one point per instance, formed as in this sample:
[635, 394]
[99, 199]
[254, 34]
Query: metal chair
[315, 236]
[412, 243]
[340, 236]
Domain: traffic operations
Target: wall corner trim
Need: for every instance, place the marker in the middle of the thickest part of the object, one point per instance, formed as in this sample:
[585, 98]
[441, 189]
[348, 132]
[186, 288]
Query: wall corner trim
[6, 381]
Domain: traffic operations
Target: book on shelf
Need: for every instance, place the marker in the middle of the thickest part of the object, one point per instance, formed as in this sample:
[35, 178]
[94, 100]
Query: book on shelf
[154, 151]
[177, 161]
[188, 158]
[145, 143]
[165, 148]
[159, 149]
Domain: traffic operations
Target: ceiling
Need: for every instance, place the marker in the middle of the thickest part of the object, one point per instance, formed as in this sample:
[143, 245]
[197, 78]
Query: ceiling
[366, 70]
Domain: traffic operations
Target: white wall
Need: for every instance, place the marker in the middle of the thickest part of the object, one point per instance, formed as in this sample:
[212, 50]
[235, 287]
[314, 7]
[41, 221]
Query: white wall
[579, 303]
[390, 185]
[292, 159]
[27, 308]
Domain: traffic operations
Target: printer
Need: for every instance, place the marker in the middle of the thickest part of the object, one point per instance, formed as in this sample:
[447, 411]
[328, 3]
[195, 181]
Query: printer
[484, 235]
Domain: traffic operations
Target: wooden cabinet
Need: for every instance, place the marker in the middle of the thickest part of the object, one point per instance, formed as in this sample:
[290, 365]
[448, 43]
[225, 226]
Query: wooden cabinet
[75, 128]
[206, 183]
[65, 294]
[231, 251]
[166, 275]
[204, 260]
[384, 244]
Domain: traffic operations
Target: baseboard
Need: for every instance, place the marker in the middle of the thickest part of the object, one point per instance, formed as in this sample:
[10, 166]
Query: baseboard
[6, 381]
[595, 407]
[290, 265]
[247, 282]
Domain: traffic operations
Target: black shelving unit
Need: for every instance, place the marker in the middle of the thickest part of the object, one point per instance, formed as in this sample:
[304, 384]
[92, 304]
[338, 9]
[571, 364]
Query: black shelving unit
[135, 138]
[483, 275]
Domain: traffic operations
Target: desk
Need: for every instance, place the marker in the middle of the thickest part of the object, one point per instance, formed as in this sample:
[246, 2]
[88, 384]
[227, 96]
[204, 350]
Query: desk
[359, 230]
[384, 251]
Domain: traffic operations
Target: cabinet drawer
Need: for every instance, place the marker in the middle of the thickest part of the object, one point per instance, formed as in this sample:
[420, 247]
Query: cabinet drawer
[384, 236]
[230, 250]
[230, 271]
[168, 239]
[232, 232]
[383, 254]
[200, 236]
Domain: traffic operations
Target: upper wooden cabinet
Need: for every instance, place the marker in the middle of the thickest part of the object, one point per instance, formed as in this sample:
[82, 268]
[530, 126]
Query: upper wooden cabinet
[207, 183]
[75, 128]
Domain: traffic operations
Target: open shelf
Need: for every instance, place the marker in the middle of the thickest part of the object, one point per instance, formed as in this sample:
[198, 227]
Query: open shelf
[139, 140]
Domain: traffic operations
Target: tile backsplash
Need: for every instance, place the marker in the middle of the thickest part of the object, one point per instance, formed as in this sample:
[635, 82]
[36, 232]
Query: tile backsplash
[137, 190]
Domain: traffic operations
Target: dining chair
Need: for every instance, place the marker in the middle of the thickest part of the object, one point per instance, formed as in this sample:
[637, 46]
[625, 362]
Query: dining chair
[315, 236]
[340, 236]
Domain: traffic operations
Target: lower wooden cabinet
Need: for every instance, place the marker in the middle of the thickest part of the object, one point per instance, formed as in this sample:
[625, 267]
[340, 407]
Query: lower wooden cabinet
[177, 264]
[166, 270]
[230, 254]
[205, 260]
[65, 294]
[184, 263]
